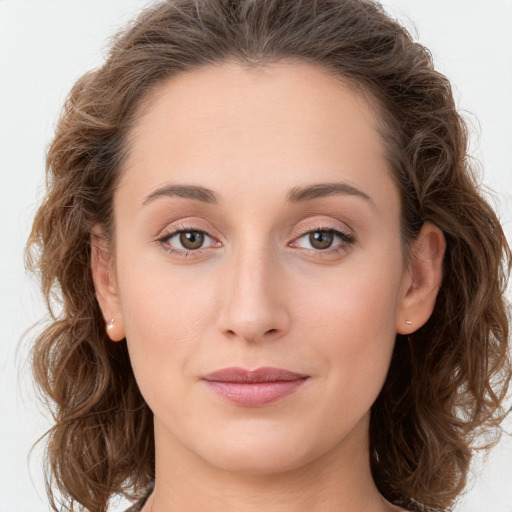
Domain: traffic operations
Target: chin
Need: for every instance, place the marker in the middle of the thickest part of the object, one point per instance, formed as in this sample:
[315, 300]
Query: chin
[262, 453]
[258, 462]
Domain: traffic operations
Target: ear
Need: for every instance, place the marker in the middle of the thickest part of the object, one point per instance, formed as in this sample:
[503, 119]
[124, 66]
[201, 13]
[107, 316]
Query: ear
[105, 283]
[422, 280]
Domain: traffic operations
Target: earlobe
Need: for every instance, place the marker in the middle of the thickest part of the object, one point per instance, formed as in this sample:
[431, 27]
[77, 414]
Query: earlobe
[423, 279]
[105, 284]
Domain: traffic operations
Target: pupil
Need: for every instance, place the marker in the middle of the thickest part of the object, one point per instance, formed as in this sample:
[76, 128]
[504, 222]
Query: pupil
[321, 239]
[192, 239]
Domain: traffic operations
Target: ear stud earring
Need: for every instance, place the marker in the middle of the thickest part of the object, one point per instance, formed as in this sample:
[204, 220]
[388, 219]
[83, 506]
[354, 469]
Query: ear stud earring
[408, 322]
[110, 324]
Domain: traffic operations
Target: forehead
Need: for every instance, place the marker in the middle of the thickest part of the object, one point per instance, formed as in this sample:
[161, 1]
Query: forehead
[229, 92]
[288, 121]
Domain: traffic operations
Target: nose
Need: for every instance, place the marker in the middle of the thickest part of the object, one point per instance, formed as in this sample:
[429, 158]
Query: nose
[254, 307]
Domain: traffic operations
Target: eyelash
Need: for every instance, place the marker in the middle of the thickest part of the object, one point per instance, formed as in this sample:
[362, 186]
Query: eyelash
[346, 240]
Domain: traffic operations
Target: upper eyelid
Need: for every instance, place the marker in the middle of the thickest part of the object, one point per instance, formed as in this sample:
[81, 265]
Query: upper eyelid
[317, 225]
[173, 232]
[321, 228]
[300, 233]
[183, 226]
[345, 238]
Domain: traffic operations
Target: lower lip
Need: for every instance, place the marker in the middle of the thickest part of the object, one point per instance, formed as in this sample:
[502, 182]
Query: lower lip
[255, 394]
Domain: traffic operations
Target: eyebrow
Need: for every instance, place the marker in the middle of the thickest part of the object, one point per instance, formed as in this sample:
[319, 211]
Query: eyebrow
[196, 192]
[310, 192]
[295, 195]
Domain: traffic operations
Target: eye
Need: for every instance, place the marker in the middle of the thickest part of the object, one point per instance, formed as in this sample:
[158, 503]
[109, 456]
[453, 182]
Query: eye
[185, 241]
[323, 239]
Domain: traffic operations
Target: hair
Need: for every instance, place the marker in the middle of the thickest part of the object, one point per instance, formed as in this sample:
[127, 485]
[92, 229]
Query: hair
[447, 381]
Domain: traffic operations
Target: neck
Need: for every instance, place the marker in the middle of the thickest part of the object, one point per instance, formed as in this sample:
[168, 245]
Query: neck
[339, 480]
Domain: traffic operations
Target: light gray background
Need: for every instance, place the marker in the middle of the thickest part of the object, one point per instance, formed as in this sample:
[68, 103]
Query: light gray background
[45, 45]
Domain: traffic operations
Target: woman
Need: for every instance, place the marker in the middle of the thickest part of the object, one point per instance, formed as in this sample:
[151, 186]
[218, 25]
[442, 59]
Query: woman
[281, 287]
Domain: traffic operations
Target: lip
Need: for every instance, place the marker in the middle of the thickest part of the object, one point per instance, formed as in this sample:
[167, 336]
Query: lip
[254, 388]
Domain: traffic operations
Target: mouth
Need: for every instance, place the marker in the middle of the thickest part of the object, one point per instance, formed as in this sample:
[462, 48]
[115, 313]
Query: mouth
[254, 388]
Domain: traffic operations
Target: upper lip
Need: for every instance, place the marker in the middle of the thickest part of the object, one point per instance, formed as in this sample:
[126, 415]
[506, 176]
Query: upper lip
[264, 374]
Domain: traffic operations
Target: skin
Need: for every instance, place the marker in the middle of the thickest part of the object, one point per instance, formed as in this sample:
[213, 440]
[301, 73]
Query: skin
[258, 292]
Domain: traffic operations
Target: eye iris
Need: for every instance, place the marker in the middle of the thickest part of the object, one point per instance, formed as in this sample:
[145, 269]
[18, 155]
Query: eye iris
[191, 239]
[321, 239]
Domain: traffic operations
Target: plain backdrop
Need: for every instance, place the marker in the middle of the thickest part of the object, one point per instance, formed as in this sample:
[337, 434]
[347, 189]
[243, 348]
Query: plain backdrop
[45, 45]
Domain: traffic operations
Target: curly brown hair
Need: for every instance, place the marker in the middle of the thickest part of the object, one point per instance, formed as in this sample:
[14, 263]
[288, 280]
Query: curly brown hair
[447, 381]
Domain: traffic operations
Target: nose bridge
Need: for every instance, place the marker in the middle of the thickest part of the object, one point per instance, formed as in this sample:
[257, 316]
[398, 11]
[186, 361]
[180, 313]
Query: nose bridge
[253, 306]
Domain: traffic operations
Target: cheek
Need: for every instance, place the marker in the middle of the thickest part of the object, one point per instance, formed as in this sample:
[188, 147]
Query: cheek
[353, 320]
[165, 312]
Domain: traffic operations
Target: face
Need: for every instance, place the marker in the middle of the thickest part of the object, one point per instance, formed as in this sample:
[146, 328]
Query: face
[257, 226]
